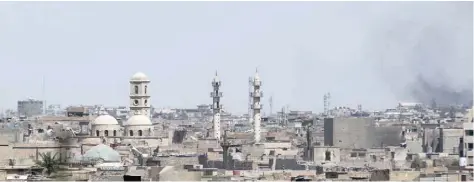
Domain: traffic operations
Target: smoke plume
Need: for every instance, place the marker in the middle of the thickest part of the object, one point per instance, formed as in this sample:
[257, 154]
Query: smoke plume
[428, 55]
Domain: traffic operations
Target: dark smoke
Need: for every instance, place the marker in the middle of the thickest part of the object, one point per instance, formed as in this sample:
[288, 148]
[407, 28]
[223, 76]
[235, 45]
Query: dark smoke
[443, 95]
[427, 55]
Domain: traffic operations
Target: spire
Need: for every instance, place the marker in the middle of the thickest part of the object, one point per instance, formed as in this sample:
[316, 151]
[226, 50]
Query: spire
[216, 78]
[256, 77]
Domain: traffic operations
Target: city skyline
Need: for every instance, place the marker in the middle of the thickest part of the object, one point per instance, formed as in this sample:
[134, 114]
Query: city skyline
[87, 52]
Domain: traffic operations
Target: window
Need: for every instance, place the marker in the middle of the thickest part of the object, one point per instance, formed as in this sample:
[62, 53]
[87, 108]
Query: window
[353, 154]
[140, 133]
[135, 102]
[131, 133]
[115, 132]
[136, 89]
[328, 156]
[146, 102]
[97, 132]
[469, 132]
[470, 146]
[146, 88]
[106, 132]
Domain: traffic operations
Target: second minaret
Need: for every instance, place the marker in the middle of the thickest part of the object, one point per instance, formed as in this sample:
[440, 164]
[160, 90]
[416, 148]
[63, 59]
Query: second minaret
[216, 107]
[256, 106]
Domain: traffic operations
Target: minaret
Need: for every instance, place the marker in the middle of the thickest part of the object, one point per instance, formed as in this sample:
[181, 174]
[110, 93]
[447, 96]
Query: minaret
[216, 107]
[256, 106]
[139, 95]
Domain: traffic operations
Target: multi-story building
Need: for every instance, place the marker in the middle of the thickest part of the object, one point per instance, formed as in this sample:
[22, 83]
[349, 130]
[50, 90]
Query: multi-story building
[54, 110]
[29, 108]
[468, 140]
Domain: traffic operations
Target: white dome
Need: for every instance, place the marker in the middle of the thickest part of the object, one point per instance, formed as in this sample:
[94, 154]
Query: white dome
[139, 77]
[105, 120]
[138, 120]
[103, 152]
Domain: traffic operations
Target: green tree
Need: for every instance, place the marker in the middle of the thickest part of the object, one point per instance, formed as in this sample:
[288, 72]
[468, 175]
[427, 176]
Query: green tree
[49, 162]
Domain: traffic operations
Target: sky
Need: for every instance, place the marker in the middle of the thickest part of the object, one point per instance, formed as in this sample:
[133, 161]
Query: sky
[360, 52]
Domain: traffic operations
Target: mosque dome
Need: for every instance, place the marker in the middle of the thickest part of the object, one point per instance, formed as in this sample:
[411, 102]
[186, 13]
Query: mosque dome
[138, 120]
[102, 152]
[139, 77]
[105, 120]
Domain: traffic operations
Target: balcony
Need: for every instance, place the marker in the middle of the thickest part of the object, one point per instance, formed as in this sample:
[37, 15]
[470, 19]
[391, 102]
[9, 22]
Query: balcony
[256, 106]
[213, 106]
[216, 84]
[256, 94]
[257, 83]
[214, 94]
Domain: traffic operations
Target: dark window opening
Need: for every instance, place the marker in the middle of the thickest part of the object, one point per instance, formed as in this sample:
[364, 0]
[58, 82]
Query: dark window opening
[106, 132]
[470, 132]
[146, 88]
[353, 154]
[328, 156]
[115, 132]
[140, 133]
[136, 89]
[131, 133]
[97, 132]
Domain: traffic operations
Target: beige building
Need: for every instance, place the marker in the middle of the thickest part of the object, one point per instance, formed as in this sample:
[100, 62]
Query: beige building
[469, 140]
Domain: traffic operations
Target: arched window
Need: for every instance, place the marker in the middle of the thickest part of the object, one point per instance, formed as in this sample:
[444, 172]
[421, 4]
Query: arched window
[97, 132]
[146, 102]
[131, 133]
[140, 133]
[136, 89]
[106, 132]
[115, 132]
[146, 89]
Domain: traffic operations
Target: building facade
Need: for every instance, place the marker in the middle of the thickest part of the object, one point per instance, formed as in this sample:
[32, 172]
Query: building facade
[29, 108]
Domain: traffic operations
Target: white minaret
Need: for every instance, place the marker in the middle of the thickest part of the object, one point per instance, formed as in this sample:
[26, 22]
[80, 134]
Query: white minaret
[139, 95]
[216, 107]
[256, 106]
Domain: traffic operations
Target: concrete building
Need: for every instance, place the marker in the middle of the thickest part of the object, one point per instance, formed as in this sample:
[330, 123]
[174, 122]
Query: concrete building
[29, 108]
[321, 154]
[450, 140]
[347, 132]
[468, 140]
[359, 132]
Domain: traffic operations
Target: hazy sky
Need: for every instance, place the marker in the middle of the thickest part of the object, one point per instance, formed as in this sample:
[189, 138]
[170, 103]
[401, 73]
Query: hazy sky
[87, 51]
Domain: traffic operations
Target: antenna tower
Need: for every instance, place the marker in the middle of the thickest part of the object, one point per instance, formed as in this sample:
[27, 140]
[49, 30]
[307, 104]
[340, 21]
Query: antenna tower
[43, 94]
[270, 100]
[327, 103]
[250, 100]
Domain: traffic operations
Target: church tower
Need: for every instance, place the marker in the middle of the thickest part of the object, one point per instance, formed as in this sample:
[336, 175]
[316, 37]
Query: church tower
[139, 95]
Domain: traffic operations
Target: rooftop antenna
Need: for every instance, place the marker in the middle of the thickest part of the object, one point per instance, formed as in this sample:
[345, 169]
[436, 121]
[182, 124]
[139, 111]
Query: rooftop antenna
[43, 94]
[250, 100]
[270, 100]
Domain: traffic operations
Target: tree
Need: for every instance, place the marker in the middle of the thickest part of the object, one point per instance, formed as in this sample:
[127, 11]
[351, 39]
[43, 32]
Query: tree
[417, 164]
[49, 162]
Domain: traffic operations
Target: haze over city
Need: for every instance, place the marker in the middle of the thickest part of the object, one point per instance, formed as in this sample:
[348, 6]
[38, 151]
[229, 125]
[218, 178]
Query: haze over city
[368, 53]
